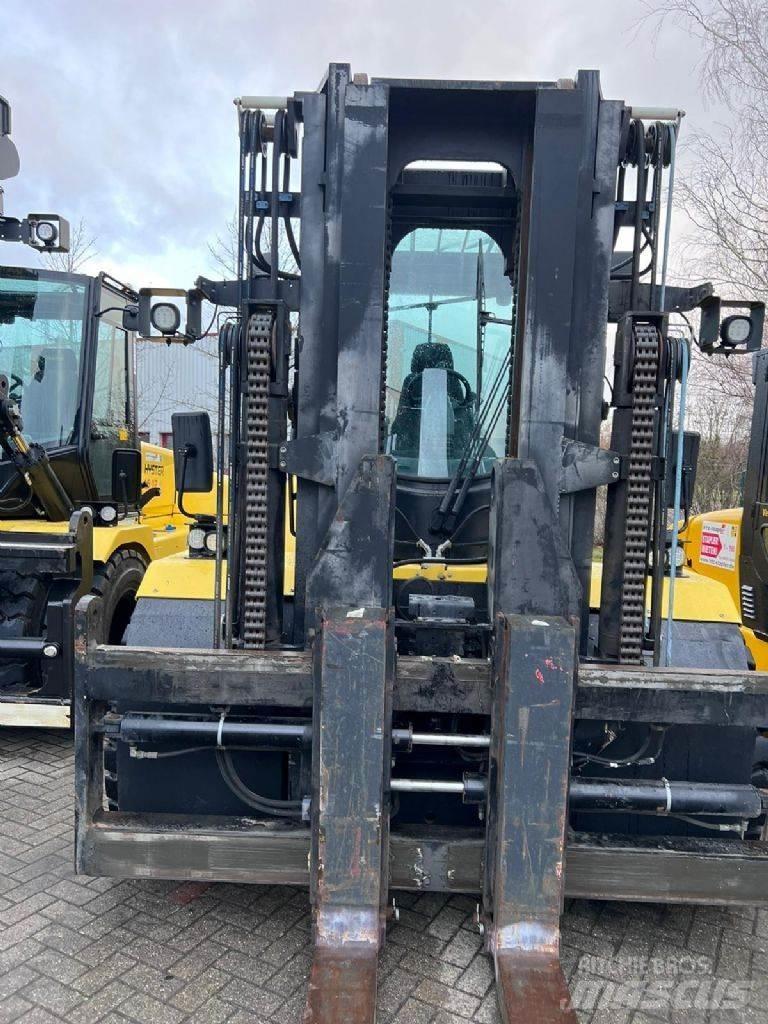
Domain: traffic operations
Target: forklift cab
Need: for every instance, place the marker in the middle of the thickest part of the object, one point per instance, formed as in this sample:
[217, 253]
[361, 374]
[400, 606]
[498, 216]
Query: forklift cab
[69, 364]
[449, 366]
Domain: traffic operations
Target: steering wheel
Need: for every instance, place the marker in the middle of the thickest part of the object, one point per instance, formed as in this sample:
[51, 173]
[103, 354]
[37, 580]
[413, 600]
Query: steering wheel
[409, 391]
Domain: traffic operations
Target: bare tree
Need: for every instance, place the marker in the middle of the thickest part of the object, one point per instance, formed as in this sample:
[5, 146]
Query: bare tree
[82, 249]
[223, 249]
[723, 189]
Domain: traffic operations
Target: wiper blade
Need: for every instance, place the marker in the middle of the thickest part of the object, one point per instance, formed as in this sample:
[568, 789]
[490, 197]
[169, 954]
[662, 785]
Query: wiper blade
[488, 416]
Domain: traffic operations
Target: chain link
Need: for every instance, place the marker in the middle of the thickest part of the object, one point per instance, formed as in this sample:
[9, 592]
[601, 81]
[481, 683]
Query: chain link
[254, 596]
[639, 493]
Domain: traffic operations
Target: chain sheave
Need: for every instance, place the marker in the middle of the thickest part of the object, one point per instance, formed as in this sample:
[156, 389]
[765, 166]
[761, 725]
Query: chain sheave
[254, 595]
[639, 493]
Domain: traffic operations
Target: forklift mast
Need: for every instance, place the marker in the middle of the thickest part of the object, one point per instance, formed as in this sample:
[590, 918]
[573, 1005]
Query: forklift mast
[552, 242]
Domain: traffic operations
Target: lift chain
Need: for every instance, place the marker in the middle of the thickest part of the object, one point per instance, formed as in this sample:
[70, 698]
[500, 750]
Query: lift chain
[645, 372]
[385, 331]
[254, 594]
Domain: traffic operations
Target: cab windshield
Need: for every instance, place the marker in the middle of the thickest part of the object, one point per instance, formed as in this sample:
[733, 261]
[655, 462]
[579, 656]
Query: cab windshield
[448, 354]
[41, 341]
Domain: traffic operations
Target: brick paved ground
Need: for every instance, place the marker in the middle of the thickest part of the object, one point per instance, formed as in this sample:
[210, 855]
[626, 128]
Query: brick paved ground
[85, 950]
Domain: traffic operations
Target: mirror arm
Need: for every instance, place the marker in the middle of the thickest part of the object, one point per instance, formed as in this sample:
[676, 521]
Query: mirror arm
[189, 449]
[124, 489]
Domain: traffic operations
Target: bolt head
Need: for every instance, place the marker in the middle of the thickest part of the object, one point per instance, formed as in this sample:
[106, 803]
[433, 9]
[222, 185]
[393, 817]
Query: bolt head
[50, 651]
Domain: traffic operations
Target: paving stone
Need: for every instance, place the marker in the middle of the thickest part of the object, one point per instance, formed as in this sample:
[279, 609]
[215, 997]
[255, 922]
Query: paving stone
[51, 995]
[415, 1012]
[12, 1007]
[105, 951]
[478, 977]
[105, 1001]
[447, 998]
[146, 1010]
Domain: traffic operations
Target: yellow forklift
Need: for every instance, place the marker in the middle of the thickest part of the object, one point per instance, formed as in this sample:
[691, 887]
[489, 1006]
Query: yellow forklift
[68, 433]
[70, 458]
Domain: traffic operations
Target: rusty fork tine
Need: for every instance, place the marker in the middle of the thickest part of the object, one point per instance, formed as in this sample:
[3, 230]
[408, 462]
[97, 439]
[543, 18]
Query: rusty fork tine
[350, 816]
[531, 989]
[342, 986]
[534, 674]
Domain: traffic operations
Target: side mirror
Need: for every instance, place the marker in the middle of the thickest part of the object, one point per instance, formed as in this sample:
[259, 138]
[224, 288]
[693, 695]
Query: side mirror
[126, 476]
[131, 317]
[691, 443]
[192, 453]
[9, 157]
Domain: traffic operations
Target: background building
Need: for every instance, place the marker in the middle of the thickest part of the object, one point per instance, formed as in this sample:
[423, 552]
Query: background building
[174, 378]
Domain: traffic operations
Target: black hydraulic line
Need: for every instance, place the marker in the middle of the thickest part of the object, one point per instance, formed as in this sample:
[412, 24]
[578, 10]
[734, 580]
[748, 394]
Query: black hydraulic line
[640, 756]
[660, 500]
[262, 804]
[625, 262]
[639, 209]
[260, 258]
[274, 213]
[407, 521]
[470, 515]
[226, 733]
[252, 145]
[659, 796]
[620, 185]
[287, 218]
[221, 731]
[226, 342]
[656, 212]
[629, 796]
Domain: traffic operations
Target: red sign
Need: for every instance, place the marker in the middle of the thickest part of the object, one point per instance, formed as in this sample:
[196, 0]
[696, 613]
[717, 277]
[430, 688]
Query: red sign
[711, 545]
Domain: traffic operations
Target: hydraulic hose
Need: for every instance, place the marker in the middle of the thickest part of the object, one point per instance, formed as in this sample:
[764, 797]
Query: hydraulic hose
[685, 355]
[262, 804]
[668, 214]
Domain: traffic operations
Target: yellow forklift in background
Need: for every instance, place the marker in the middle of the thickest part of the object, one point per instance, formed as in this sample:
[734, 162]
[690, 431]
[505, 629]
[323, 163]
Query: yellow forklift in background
[70, 455]
[69, 460]
[731, 545]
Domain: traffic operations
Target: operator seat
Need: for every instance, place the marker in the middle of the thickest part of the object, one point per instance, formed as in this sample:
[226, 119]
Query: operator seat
[406, 426]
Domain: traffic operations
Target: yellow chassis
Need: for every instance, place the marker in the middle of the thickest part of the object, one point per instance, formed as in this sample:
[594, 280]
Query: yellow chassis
[159, 531]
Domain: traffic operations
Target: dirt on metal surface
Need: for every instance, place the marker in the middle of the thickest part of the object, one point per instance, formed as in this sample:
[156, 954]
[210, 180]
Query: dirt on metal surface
[86, 950]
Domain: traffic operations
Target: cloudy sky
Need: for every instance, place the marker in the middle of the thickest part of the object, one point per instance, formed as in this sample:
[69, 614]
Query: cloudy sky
[123, 110]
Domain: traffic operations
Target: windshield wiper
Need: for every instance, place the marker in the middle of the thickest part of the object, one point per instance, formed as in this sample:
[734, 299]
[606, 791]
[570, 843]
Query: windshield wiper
[446, 514]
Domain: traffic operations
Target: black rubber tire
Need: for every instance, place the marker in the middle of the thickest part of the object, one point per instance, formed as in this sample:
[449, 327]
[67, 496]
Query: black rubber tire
[23, 600]
[22, 606]
[116, 582]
